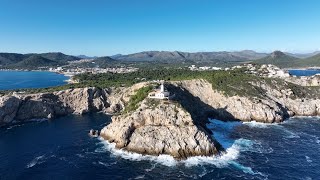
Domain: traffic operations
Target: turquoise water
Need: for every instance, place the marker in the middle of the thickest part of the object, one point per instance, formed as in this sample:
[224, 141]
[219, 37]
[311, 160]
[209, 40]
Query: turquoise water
[30, 79]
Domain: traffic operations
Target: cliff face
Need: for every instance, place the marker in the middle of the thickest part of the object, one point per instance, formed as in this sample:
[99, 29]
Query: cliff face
[275, 106]
[49, 105]
[196, 96]
[24, 107]
[177, 127]
[159, 127]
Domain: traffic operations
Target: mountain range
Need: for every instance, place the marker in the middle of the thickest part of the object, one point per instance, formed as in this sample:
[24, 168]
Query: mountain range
[177, 56]
[223, 58]
[281, 59]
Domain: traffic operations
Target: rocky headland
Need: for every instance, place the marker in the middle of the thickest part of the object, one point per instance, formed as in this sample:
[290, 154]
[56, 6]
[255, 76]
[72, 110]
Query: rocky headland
[160, 127]
[176, 127]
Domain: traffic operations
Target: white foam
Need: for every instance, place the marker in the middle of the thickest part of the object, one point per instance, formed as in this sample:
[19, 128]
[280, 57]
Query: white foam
[256, 124]
[308, 159]
[291, 134]
[150, 169]
[140, 177]
[229, 125]
[13, 126]
[107, 164]
[35, 161]
[166, 160]
[221, 131]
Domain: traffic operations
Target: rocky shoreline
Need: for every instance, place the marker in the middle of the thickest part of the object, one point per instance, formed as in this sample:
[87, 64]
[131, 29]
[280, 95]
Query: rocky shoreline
[176, 127]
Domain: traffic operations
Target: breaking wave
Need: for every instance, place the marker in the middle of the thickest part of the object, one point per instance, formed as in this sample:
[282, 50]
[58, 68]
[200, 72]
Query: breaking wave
[255, 124]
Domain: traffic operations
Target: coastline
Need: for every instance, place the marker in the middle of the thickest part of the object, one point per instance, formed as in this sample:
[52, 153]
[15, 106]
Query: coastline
[154, 122]
[305, 69]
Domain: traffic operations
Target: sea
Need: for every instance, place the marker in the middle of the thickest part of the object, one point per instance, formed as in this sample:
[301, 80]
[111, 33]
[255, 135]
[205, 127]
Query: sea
[30, 79]
[62, 149]
[301, 72]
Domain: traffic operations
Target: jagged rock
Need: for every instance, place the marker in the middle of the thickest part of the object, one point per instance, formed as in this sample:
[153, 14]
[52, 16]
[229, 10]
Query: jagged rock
[160, 127]
[276, 105]
[196, 96]
[8, 108]
[49, 105]
[165, 128]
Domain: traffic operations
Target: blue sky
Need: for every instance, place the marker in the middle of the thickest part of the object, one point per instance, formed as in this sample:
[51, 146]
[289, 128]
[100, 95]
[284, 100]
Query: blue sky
[107, 27]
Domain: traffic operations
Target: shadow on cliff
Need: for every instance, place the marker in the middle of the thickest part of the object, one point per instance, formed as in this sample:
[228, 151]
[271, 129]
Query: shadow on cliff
[200, 111]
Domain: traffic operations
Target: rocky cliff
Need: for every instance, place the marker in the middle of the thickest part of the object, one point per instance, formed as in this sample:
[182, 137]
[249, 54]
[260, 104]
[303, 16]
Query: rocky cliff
[20, 107]
[160, 127]
[177, 127]
[23, 107]
[274, 105]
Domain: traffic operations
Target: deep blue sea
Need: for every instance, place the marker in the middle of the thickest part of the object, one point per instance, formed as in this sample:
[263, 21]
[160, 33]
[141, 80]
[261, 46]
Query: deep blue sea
[299, 72]
[62, 149]
[30, 79]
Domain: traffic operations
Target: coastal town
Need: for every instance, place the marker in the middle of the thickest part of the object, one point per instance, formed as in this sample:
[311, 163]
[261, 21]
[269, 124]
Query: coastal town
[78, 70]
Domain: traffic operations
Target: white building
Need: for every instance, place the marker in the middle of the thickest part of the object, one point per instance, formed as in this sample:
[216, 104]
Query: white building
[161, 93]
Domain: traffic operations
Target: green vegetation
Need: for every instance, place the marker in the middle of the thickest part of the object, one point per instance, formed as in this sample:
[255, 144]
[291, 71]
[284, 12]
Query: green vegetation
[311, 61]
[279, 59]
[231, 83]
[153, 103]
[34, 61]
[140, 95]
[285, 61]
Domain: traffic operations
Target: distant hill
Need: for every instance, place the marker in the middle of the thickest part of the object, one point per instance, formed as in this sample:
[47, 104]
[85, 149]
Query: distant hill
[37, 61]
[279, 59]
[249, 54]
[303, 55]
[101, 62]
[176, 56]
[10, 58]
[59, 57]
[284, 60]
[313, 61]
[86, 57]
[34, 60]
[116, 55]
[104, 61]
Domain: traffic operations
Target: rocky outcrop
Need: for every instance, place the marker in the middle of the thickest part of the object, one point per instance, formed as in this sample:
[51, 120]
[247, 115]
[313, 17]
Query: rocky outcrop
[177, 127]
[305, 80]
[196, 96]
[23, 107]
[275, 106]
[118, 97]
[159, 127]
[19, 107]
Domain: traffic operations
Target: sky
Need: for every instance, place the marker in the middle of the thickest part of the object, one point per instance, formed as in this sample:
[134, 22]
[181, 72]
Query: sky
[108, 27]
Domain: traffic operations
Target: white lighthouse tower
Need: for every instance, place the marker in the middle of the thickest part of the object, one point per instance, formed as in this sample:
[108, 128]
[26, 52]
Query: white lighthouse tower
[162, 87]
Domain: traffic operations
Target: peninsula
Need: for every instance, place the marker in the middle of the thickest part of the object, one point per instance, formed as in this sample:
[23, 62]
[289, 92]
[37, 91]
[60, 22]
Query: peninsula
[175, 125]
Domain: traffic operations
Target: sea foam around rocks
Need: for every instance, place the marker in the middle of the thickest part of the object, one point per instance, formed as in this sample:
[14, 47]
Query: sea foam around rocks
[222, 131]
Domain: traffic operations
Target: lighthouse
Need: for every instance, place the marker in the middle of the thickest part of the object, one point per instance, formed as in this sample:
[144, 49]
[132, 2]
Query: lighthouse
[161, 93]
[162, 87]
